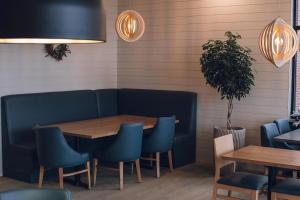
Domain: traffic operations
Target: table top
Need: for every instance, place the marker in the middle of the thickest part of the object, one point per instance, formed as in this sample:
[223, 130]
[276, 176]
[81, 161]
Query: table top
[102, 127]
[292, 137]
[266, 156]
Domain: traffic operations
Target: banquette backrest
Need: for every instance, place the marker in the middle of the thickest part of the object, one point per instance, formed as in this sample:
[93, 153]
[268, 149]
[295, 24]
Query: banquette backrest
[21, 112]
[159, 103]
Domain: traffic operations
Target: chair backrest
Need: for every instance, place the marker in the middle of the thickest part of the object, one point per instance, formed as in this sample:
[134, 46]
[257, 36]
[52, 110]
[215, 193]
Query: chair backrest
[268, 132]
[36, 194]
[52, 148]
[222, 145]
[162, 137]
[283, 125]
[127, 145]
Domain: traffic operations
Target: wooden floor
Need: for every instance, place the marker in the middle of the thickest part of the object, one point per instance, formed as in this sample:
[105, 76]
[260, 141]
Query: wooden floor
[188, 183]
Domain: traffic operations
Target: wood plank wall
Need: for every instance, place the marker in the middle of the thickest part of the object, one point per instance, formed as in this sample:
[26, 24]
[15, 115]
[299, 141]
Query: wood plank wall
[25, 69]
[167, 57]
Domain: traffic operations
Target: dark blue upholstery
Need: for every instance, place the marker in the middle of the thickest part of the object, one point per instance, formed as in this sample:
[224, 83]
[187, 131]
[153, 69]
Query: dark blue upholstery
[54, 152]
[107, 102]
[126, 146]
[288, 186]
[36, 194]
[245, 180]
[20, 113]
[283, 125]
[268, 132]
[161, 138]
[159, 103]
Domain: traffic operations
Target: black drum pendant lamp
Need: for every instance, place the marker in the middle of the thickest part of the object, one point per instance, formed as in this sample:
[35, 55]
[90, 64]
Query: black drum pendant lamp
[52, 21]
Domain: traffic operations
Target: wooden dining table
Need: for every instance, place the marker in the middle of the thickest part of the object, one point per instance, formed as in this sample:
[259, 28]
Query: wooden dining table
[102, 127]
[291, 137]
[272, 158]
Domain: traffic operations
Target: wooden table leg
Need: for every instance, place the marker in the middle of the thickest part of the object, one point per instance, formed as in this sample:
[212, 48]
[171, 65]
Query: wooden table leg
[271, 180]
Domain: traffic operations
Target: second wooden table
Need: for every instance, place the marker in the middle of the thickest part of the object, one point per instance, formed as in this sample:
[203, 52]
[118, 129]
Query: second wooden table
[292, 137]
[269, 157]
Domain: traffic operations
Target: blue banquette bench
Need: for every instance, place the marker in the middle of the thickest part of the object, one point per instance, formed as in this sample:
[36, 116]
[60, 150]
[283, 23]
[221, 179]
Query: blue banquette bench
[20, 113]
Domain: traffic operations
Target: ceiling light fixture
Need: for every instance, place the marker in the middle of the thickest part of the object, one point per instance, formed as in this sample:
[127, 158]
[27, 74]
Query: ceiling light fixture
[130, 26]
[278, 42]
[52, 21]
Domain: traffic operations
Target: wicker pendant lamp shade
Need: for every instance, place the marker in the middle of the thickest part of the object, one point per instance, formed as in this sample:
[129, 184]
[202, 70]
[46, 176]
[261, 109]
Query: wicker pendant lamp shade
[130, 26]
[278, 42]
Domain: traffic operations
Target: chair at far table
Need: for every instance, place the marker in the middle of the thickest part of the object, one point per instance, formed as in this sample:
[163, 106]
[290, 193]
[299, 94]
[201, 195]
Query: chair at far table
[55, 153]
[125, 147]
[36, 194]
[283, 125]
[268, 133]
[241, 182]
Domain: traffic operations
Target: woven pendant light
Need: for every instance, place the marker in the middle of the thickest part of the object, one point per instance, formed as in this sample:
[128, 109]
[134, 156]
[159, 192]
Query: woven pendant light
[130, 26]
[278, 42]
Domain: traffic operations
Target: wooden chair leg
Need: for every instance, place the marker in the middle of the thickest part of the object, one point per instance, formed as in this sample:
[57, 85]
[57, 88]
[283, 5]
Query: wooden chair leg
[295, 174]
[214, 194]
[157, 158]
[121, 169]
[254, 195]
[138, 170]
[61, 178]
[41, 176]
[88, 173]
[266, 171]
[95, 166]
[229, 193]
[170, 160]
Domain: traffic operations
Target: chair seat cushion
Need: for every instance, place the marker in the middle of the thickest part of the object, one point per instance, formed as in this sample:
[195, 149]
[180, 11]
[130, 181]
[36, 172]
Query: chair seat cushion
[288, 186]
[244, 180]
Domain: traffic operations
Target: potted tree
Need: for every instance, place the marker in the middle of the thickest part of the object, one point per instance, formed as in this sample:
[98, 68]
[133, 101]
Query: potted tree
[226, 66]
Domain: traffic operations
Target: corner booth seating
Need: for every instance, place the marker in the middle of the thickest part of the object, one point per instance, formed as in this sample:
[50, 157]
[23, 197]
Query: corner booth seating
[20, 113]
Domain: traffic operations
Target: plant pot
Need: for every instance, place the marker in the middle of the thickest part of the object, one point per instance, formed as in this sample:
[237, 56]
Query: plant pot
[238, 134]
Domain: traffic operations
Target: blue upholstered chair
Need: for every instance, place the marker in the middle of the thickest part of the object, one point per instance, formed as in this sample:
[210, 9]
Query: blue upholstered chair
[125, 147]
[54, 152]
[36, 194]
[160, 140]
[237, 181]
[287, 189]
[283, 125]
[268, 132]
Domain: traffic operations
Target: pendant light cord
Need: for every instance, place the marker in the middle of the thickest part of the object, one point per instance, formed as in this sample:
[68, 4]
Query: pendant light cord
[278, 8]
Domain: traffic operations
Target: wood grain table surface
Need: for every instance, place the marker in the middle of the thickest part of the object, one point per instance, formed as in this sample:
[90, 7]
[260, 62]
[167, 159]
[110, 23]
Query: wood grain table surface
[102, 127]
[266, 156]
